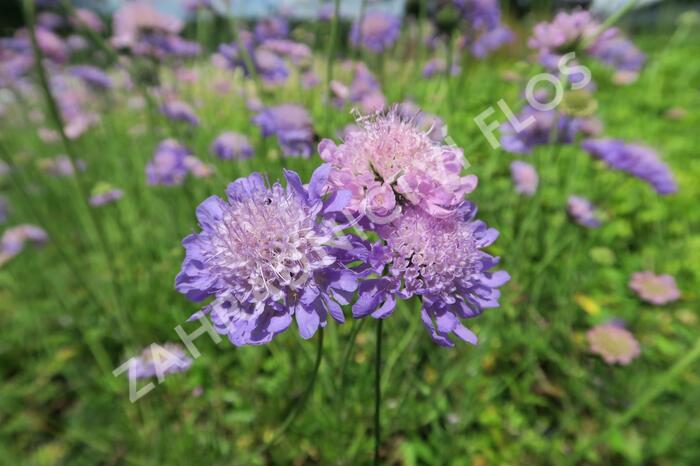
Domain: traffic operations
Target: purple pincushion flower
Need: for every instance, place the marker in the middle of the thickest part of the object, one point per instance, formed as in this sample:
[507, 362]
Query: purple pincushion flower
[636, 159]
[655, 289]
[481, 14]
[583, 212]
[377, 32]
[525, 177]
[179, 111]
[437, 66]
[266, 255]
[546, 127]
[271, 28]
[92, 76]
[442, 261]
[389, 150]
[491, 40]
[159, 361]
[614, 343]
[169, 165]
[291, 124]
[14, 239]
[86, 18]
[230, 145]
[104, 193]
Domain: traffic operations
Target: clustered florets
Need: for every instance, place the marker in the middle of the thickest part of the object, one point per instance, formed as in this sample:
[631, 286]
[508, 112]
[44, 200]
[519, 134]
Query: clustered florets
[269, 254]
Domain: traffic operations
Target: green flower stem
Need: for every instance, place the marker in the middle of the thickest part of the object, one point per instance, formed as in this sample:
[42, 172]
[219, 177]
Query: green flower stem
[28, 7]
[377, 393]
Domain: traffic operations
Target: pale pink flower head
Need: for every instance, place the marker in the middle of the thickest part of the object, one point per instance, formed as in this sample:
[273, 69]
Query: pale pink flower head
[387, 150]
[525, 177]
[655, 289]
[614, 343]
[136, 17]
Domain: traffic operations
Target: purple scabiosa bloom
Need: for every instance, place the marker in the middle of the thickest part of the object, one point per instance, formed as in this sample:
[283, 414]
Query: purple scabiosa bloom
[177, 110]
[636, 159]
[298, 53]
[168, 166]
[491, 40]
[654, 289]
[14, 239]
[104, 193]
[194, 5]
[197, 168]
[365, 91]
[230, 145]
[51, 45]
[542, 130]
[525, 177]
[310, 79]
[92, 76]
[76, 43]
[135, 19]
[61, 165]
[291, 124]
[377, 32]
[267, 255]
[271, 28]
[481, 14]
[391, 151]
[271, 67]
[583, 212]
[437, 66]
[442, 261]
[49, 20]
[159, 361]
[86, 18]
[614, 343]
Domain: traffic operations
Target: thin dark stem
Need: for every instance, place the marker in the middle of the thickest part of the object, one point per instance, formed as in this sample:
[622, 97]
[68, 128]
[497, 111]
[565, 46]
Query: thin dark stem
[377, 393]
[301, 404]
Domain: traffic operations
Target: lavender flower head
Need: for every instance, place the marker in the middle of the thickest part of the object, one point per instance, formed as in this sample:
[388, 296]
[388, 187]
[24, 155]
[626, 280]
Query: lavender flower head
[271, 28]
[104, 193]
[547, 127]
[266, 255]
[525, 177]
[636, 159]
[86, 18]
[391, 160]
[170, 165]
[93, 77]
[655, 289]
[442, 261]
[291, 124]
[177, 110]
[159, 361]
[377, 32]
[14, 239]
[230, 145]
[583, 212]
[136, 18]
[614, 343]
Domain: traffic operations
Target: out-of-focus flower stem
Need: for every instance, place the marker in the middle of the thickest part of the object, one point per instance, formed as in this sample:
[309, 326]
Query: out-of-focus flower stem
[608, 23]
[378, 393]
[330, 58]
[29, 12]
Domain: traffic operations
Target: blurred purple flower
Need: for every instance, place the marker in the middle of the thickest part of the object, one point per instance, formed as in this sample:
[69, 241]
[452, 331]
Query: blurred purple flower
[583, 212]
[230, 145]
[88, 19]
[491, 40]
[377, 32]
[104, 193]
[655, 289]
[310, 79]
[437, 66]
[168, 166]
[159, 361]
[92, 76]
[177, 110]
[525, 177]
[271, 28]
[49, 20]
[615, 344]
[291, 124]
[636, 159]
[14, 239]
[61, 165]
